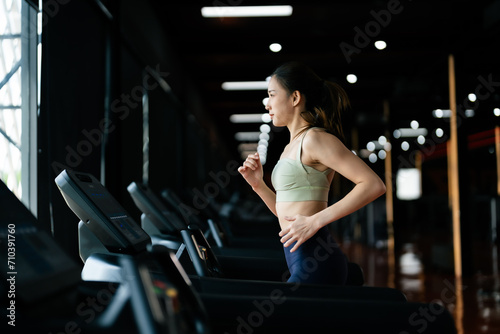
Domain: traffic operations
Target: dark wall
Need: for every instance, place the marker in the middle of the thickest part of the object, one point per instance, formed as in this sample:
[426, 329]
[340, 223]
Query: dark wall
[94, 72]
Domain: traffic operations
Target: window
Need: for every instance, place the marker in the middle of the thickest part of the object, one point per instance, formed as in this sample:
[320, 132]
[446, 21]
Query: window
[19, 82]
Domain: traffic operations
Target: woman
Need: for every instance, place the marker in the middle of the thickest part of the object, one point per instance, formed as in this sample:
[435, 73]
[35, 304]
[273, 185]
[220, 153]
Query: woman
[310, 108]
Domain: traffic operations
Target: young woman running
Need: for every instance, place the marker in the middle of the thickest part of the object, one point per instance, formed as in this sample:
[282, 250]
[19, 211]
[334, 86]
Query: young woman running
[310, 108]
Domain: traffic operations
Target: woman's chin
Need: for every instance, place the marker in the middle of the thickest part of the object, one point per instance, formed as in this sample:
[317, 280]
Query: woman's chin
[277, 124]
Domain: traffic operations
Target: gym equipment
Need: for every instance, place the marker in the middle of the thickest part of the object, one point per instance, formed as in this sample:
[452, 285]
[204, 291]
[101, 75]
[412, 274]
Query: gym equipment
[279, 310]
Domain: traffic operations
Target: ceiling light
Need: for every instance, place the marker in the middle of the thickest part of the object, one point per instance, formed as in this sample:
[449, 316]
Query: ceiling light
[372, 157]
[246, 118]
[370, 146]
[438, 113]
[496, 111]
[405, 146]
[263, 142]
[275, 47]
[472, 97]
[421, 140]
[469, 112]
[439, 132]
[414, 124]
[266, 118]
[406, 132]
[264, 128]
[247, 136]
[382, 140]
[380, 45]
[445, 113]
[262, 149]
[245, 85]
[351, 78]
[246, 11]
[382, 154]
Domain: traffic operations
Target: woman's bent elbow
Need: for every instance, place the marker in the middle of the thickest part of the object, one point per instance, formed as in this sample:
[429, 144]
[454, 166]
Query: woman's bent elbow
[381, 188]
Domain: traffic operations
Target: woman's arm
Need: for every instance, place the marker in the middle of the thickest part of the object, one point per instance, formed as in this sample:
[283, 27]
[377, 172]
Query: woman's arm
[253, 173]
[325, 149]
[267, 195]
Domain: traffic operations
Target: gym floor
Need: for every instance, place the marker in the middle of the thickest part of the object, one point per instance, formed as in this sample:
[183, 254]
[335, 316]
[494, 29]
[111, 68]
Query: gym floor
[474, 302]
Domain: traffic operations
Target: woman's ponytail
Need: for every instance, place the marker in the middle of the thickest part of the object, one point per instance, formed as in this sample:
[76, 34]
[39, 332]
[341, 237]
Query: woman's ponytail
[325, 100]
[335, 102]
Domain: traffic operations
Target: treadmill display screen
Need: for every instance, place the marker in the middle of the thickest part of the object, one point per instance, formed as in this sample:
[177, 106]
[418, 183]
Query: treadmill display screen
[114, 211]
[101, 212]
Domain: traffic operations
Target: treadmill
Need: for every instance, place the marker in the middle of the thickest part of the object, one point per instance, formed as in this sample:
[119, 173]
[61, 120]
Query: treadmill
[161, 223]
[45, 293]
[277, 311]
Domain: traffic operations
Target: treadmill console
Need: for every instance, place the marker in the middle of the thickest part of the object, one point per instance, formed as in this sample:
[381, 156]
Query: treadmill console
[164, 221]
[101, 213]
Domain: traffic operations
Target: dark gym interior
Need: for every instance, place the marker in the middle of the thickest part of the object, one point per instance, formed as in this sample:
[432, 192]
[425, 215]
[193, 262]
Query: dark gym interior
[132, 92]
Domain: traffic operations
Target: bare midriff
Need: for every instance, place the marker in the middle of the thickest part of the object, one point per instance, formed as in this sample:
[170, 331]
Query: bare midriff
[305, 208]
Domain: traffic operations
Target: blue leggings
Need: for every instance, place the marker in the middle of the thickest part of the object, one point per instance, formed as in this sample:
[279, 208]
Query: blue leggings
[319, 260]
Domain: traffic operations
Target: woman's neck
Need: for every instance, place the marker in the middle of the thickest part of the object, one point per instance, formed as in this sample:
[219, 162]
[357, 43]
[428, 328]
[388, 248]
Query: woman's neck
[296, 126]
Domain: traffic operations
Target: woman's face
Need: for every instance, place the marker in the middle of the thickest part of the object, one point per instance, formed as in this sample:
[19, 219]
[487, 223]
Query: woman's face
[280, 103]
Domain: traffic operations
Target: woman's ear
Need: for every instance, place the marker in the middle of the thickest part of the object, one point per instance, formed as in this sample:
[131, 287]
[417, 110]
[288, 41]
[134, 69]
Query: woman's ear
[296, 98]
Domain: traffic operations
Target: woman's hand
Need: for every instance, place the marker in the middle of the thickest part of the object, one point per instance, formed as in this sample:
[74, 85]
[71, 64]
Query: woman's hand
[252, 170]
[300, 229]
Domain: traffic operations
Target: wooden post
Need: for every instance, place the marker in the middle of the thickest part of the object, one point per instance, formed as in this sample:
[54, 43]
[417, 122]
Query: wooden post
[453, 170]
[389, 207]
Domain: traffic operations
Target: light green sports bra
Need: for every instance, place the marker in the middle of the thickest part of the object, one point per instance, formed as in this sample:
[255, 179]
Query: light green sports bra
[296, 182]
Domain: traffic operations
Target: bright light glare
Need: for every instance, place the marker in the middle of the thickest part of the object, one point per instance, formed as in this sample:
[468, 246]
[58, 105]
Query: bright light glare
[472, 97]
[439, 132]
[414, 124]
[496, 111]
[263, 142]
[265, 100]
[264, 128]
[351, 78]
[438, 113]
[396, 133]
[421, 139]
[264, 136]
[372, 158]
[446, 113]
[275, 47]
[247, 136]
[262, 149]
[408, 184]
[382, 140]
[246, 118]
[246, 11]
[266, 118]
[382, 154]
[245, 85]
[405, 146]
[380, 45]
[407, 132]
[370, 146]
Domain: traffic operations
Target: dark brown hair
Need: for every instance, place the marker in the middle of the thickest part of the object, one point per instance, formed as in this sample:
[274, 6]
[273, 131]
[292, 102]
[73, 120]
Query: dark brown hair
[325, 100]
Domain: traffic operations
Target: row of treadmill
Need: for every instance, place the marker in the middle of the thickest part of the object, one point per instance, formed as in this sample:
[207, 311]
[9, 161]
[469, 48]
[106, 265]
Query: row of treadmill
[182, 269]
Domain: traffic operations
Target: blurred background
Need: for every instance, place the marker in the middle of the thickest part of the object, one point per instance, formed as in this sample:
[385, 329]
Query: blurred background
[172, 93]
